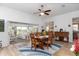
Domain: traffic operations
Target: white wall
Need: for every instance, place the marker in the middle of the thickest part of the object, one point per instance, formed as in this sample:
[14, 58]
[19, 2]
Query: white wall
[9, 14]
[4, 36]
[62, 21]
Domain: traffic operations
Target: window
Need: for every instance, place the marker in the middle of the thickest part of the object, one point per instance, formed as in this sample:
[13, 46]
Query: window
[33, 28]
[75, 27]
[21, 30]
[1, 25]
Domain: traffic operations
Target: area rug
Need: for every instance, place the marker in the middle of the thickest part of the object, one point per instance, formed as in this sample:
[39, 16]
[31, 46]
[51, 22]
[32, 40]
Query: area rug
[27, 51]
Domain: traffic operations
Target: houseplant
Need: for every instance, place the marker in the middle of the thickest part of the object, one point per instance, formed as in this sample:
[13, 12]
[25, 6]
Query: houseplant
[75, 47]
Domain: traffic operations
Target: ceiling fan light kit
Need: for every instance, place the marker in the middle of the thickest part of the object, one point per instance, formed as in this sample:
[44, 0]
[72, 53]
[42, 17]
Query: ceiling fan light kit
[41, 13]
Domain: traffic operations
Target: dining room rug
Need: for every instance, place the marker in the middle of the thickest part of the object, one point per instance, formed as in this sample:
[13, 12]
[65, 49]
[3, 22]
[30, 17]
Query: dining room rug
[27, 51]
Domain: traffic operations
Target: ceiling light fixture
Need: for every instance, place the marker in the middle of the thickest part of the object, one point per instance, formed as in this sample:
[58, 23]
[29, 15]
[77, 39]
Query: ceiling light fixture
[41, 13]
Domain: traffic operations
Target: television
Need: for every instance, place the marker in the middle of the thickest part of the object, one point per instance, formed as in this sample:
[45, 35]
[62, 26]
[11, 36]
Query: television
[2, 25]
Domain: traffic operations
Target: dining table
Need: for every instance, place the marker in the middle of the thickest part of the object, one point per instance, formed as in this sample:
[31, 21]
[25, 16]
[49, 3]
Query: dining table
[41, 37]
[41, 40]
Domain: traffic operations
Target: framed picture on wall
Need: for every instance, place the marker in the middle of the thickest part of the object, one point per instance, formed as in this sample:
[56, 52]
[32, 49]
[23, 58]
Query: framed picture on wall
[1, 25]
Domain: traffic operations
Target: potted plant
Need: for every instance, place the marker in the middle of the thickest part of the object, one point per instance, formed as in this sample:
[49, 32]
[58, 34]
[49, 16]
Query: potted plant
[75, 47]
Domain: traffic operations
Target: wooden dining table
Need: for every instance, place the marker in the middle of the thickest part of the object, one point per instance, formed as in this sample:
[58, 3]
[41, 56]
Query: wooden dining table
[41, 40]
[41, 37]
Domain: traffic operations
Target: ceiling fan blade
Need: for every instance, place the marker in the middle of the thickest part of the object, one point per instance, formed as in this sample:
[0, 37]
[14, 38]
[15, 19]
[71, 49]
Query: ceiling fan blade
[39, 9]
[47, 11]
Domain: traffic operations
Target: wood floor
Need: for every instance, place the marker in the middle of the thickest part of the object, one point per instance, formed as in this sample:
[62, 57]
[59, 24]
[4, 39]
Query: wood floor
[11, 50]
[65, 50]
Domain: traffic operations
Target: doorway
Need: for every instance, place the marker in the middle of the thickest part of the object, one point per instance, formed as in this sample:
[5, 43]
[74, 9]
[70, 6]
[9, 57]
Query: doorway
[75, 24]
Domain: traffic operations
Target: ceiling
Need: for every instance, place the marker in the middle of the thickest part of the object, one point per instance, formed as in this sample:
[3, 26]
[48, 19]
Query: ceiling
[57, 8]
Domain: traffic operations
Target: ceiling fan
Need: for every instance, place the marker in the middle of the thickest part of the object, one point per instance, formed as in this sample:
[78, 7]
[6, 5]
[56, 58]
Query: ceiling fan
[42, 12]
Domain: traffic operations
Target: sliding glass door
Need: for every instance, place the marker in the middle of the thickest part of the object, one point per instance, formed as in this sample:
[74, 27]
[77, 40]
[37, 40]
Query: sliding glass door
[19, 29]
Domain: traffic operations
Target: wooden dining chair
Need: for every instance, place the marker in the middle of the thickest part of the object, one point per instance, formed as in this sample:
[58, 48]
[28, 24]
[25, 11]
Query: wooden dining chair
[50, 39]
[33, 41]
[39, 40]
[38, 34]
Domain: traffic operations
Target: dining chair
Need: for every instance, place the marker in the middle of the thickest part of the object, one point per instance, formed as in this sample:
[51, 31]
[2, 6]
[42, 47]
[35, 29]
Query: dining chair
[34, 41]
[39, 40]
[50, 39]
[38, 34]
